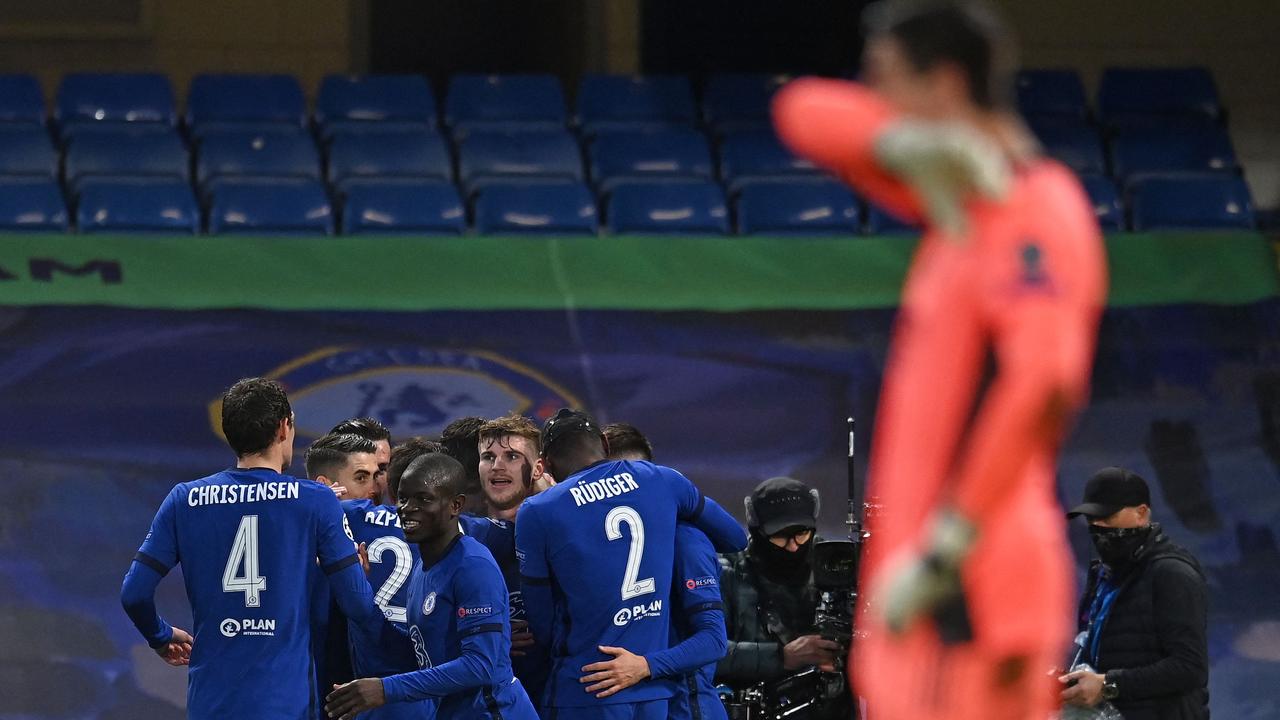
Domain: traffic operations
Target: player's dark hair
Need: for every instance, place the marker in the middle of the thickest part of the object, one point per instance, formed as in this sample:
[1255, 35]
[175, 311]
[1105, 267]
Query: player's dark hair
[365, 427]
[403, 454]
[573, 451]
[968, 33]
[438, 470]
[329, 453]
[625, 438]
[461, 439]
[251, 413]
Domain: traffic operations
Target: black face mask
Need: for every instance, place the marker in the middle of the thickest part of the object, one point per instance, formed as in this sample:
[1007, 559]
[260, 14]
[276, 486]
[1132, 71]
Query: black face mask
[778, 563]
[1118, 547]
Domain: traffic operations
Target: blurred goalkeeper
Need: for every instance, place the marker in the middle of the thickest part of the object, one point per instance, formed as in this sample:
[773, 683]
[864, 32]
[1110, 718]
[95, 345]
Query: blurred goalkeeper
[967, 569]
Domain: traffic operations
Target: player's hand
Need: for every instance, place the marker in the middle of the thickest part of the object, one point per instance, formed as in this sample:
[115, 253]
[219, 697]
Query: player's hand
[929, 584]
[521, 638]
[623, 671]
[543, 482]
[809, 650]
[362, 551]
[177, 652]
[1086, 691]
[357, 696]
[945, 163]
[338, 490]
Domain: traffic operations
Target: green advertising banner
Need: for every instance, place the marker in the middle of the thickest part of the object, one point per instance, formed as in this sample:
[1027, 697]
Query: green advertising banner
[600, 273]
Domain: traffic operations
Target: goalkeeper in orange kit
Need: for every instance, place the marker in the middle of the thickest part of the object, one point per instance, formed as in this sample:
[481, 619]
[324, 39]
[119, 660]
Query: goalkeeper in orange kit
[967, 570]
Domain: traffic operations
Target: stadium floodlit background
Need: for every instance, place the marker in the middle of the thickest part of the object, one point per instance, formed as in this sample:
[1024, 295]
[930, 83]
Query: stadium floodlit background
[573, 202]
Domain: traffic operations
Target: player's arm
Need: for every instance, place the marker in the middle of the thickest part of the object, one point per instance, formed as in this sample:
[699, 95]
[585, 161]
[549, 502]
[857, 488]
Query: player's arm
[340, 562]
[532, 552]
[158, 555]
[700, 511]
[837, 124]
[696, 564]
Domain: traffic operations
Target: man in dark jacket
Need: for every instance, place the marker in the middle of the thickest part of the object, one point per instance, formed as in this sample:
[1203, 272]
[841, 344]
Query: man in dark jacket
[1143, 614]
[769, 595]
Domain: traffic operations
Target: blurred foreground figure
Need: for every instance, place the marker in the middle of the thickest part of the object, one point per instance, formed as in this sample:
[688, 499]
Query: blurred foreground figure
[967, 570]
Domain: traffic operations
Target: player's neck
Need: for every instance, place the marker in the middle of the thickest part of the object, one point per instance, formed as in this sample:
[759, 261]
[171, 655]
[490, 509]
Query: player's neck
[1010, 134]
[433, 550]
[270, 459]
[508, 514]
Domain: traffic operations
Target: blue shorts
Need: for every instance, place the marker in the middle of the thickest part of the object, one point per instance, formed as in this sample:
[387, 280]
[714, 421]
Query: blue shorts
[651, 710]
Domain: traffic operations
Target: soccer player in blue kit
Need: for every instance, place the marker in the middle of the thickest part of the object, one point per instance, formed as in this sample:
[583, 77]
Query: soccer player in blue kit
[246, 538]
[597, 554]
[458, 614]
[697, 618]
[376, 527]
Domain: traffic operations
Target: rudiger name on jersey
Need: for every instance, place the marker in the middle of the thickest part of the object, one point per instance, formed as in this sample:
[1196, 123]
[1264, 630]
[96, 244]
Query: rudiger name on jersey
[603, 488]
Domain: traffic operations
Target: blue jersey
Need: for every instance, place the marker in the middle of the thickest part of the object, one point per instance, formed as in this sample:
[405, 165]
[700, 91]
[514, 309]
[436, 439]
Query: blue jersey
[461, 635]
[499, 536]
[695, 592]
[391, 560]
[599, 548]
[247, 540]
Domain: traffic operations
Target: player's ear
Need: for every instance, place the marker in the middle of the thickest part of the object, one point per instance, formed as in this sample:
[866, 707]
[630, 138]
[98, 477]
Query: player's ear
[282, 430]
[539, 467]
[457, 503]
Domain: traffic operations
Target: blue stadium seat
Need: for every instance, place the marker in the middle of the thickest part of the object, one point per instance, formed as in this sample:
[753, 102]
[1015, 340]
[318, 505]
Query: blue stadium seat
[1171, 149]
[1191, 201]
[1052, 93]
[21, 100]
[114, 98]
[801, 207]
[633, 102]
[1157, 91]
[27, 150]
[123, 151]
[758, 154]
[881, 222]
[348, 102]
[671, 152]
[270, 206]
[216, 100]
[1072, 141]
[388, 154]
[402, 206]
[247, 153]
[1105, 200]
[504, 102]
[735, 101]
[133, 205]
[31, 204]
[694, 207]
[565, 208]
[484, 156]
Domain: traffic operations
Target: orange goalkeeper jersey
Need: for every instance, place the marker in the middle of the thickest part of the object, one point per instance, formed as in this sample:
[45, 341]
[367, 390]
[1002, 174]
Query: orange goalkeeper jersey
[991, 355]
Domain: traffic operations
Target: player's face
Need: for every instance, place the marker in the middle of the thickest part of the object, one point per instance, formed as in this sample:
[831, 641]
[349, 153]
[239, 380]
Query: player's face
[383, 457]
[508, 465]
[358, 477]
[425, 511]
[888, 71]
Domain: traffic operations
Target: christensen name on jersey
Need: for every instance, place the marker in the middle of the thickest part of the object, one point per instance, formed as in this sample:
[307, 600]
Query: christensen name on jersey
[231, 494]
[590, 492]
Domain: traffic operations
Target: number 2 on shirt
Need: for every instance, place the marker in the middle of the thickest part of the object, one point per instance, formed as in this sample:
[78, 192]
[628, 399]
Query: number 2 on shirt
[244, 552]
[394, 581]
[631, 587]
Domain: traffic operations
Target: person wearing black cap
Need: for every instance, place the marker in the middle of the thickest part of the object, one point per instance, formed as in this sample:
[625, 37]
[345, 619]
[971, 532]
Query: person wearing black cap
[1143, 614]
[769, 594]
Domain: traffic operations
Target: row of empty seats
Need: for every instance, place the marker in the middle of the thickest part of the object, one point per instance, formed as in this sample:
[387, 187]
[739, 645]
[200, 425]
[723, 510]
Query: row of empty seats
[413, 206]
[1126, 97]
[380, 132]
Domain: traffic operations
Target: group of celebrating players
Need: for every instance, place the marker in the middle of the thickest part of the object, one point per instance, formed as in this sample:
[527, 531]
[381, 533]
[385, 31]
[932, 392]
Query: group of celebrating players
[601, 601]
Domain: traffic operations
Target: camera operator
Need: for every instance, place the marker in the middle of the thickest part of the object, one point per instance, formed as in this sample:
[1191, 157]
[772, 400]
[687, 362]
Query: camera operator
[770, 597]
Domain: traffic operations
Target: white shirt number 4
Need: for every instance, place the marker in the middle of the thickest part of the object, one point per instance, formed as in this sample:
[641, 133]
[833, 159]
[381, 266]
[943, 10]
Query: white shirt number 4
[241, 573]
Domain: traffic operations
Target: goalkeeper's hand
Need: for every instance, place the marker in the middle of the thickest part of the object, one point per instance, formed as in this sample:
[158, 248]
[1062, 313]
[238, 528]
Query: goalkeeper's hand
[945, 163]
[929, 583]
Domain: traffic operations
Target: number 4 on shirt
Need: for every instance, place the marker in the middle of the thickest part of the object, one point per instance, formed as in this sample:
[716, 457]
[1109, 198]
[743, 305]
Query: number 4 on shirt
[244, 553]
